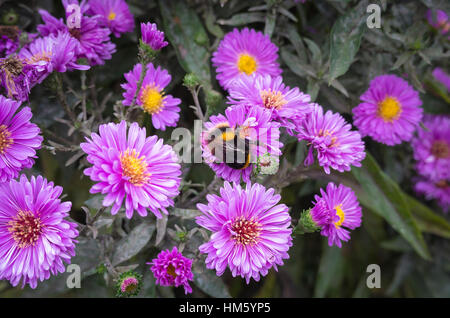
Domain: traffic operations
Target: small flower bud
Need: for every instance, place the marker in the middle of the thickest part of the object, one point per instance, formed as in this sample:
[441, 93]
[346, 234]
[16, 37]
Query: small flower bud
[268, 164]
[128, 284]
[201, 38]
[306, 223]
[10, 18]
[191, 80]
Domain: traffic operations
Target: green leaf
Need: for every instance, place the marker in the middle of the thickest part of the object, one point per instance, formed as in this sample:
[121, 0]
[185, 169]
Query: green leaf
[271, 19]
[186, 213]
[184, 29]
[345, 39]
[297, 42]
[331, 270]
[380, 194]
[296, 66]
[427, 220]
[210, 283]
[133, 243]
[243, 18]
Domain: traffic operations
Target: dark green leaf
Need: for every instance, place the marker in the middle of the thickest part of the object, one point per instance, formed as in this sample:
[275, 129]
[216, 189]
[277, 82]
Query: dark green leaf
[330, 270]
[345, 39]
[383, 196]
[182, 26]
[210, 283]
[133, 243]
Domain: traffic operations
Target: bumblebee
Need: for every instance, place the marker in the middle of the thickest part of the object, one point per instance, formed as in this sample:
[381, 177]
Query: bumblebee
[235, 148]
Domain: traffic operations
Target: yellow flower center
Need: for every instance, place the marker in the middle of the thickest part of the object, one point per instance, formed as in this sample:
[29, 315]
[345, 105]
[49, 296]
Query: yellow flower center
[152, 99]
[246, 64]
[25, 228]
[111, 16]
[5, 139]
[272, 99]
[389, 109]
[134, 167]
[341, 215]
[38, 57]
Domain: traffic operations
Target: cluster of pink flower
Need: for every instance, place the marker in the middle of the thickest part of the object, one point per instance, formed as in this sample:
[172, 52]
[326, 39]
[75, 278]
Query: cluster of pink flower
[251, 230]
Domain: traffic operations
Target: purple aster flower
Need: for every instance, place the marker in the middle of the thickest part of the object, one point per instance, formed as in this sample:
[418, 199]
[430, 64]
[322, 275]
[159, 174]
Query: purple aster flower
[438, 19]
[51, 53]
[439, 190]
[19, 139]
[94, 42]
[287, 105]
[163, 108]
[171, 268]
[250, 231]
[9, 40]
[390, 112]
[16, 77]
[152, 36]
[35, 239]
[244, 53]
[250, 130]
[138, 169]
[440, 75]
[336, 145]
[114, 14]
[335, 211]
[432, 148]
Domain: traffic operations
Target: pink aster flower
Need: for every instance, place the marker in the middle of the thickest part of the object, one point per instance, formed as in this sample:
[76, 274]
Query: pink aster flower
[114, 14]
[93, 40]
[138, 169]
[250, 231]
[438, 19]
[51, 53]
[152, 36]
[432, 148]
[438, 190]
[287, 105]
[171, 268]
[336, 145]
[162, 107]
[248, 129]
[440, 75]
[245, 53]
[390, 112]
[19, 139]
[35, 238]
[336, 211]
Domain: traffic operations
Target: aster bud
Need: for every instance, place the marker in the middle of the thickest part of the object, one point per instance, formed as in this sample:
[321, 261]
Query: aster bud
[201, 38]
[191, 80]
[306, 223]
[101, 269]
[10, 18]
[268, 164]
[146, 53]
[181, 235]
[128, 284]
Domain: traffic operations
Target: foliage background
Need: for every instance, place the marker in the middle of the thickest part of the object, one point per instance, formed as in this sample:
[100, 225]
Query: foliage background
[327, 51]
